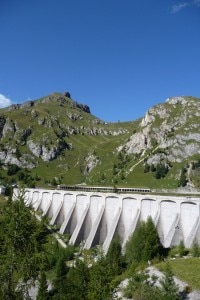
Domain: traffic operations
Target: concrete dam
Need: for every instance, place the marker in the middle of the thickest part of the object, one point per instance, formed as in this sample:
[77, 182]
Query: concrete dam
[94, 217]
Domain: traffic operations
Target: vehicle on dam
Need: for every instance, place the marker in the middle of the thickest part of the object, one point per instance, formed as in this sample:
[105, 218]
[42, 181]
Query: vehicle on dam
[86, 188]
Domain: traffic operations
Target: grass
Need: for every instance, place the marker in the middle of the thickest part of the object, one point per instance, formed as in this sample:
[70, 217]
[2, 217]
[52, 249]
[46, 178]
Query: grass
[2, 200]
[187, 269]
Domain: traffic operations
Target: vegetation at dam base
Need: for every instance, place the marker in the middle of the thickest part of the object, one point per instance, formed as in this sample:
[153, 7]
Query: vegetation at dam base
[29, 253]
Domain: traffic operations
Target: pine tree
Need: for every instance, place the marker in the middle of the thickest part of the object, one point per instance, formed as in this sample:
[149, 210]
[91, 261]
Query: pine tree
[78, 280]
[144, 244]
[140, 288]
[181, 249]
[114, 256]
[99, 287]
[135, 244]
[21, 250]
[146, 168]
[169, 288]
[183, 178]
[59, 282]
[43, 287]
[152, 247]
[195, 251]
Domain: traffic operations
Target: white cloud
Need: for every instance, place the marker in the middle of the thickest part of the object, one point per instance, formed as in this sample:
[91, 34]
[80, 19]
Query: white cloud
[179, 6]
[4, 101]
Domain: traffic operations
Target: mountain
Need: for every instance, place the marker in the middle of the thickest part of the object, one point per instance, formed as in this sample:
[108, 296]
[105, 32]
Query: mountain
[56, 140]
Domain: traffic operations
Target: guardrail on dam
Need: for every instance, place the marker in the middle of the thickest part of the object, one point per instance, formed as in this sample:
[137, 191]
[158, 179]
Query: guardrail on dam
[94, 217]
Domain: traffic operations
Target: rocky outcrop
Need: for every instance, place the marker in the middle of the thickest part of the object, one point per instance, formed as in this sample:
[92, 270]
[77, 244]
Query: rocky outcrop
[14, 107]
[74, 117]
[21, 135]
[83, 107]
[91, 162]
[27, 104]
[173, 126]
[2, 123]
[9, 127]
[9, 157]
[34, 147]
[47, 152]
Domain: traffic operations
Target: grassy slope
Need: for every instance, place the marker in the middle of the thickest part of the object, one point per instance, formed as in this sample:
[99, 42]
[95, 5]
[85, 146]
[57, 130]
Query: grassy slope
[187, 270]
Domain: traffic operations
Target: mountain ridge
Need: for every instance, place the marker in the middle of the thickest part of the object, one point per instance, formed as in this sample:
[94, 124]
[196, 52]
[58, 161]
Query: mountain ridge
[59, 134]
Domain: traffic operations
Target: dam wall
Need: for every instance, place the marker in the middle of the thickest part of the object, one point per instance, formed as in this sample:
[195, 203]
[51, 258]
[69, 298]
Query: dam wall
[94, 217]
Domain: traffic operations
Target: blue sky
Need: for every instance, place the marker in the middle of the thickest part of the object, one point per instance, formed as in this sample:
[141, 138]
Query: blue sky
[118, 57]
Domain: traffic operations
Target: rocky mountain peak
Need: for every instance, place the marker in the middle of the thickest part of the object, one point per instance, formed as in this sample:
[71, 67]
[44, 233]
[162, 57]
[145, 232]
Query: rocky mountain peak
[176, 100]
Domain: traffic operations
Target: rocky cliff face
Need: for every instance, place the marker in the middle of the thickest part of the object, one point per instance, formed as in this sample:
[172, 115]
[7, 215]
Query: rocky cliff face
[168, 131]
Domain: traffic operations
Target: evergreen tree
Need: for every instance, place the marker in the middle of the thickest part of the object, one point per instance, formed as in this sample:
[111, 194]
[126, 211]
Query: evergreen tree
[100, 278]
[161, 171]
[195, 251]
[140, 288]
[59, 282]
[43, 288]
[152, 247]
[168, 287]
[183, 178]
[181, 249]
[114, 256]
[146, 168]
[115, 170]
[135, 245]
[144, 244]
[78, 280]
[12, 170]
[152, 168]
[21, 251]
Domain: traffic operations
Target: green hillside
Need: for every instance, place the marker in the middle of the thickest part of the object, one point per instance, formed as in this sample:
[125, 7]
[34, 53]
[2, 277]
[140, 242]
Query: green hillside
[56, 140]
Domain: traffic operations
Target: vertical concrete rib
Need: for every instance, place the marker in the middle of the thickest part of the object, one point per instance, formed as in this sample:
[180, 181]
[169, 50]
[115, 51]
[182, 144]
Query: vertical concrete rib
[168, 221]
[157, 216]
[76, 231]
[57, 198]
[131, 229]
[66, 220]
[47, 205]
[112, 203]
[111, 232]
[66, 210]
[55, 216]
[36, 199]
[96, 202]
[38, 204]
[169, 237]
[90, 239]
[131, 206]
[28, 197]
[189, 215]
[196, 235]
[149, 207]
[191, 237]
[193, 233]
